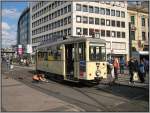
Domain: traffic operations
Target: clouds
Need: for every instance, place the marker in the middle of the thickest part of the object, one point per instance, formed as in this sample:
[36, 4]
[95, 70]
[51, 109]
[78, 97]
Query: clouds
[8, 35]
[5, 26]
[10, 13]
[9, 27]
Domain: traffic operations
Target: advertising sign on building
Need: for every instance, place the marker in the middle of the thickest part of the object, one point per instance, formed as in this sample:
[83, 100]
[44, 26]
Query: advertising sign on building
[20, 50]
[29, 48]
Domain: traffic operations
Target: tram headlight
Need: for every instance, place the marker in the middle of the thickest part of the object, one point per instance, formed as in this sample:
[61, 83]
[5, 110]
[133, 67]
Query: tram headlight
[98, 73]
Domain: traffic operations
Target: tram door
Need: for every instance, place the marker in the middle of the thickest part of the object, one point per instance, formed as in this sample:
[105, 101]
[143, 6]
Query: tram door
[69, 60]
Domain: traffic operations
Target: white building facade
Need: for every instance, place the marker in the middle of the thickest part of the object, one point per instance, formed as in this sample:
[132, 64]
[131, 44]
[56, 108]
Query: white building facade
[56, 19]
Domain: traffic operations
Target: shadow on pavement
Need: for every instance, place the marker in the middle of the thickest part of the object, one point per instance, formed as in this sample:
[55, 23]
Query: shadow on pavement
[125, 91]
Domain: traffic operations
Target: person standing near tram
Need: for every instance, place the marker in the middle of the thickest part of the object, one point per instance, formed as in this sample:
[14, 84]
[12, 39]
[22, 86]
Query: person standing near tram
[116, 67]
[122, 64]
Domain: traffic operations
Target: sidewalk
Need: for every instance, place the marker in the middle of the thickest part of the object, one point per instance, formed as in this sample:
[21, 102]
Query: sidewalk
[16, 96]
[123, 79]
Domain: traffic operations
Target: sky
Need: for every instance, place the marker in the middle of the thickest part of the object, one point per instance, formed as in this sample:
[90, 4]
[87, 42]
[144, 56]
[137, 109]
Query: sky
[11, 12]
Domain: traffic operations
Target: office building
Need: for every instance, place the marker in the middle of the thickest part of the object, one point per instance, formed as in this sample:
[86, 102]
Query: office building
[56, 19]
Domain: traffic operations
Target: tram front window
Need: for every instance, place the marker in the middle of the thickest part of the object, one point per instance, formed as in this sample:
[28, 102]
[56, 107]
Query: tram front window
[97, 52]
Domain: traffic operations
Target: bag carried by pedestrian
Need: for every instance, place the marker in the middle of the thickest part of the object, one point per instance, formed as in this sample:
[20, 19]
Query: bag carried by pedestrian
[135, 76]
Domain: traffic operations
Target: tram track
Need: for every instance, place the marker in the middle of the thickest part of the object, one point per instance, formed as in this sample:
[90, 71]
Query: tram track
[40, 88]
[99, 106]
[81, 104]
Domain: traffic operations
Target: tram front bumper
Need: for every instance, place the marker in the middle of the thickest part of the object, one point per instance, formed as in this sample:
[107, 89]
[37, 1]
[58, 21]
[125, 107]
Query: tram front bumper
[98, 78]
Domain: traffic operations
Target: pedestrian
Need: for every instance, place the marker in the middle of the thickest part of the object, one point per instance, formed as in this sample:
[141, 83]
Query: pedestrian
[8, 63]
[21, 61]
[116, 67]
[122, 64]
[146, 65]
[24, 62]
[142, 71]
[11, 64]
[133, 68]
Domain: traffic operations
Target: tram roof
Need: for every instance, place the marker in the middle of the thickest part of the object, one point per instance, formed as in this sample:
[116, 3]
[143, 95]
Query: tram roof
[73, 39]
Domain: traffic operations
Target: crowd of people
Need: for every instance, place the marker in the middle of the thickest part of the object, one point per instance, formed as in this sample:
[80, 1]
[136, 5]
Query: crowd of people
[25, 62]
[118, 65]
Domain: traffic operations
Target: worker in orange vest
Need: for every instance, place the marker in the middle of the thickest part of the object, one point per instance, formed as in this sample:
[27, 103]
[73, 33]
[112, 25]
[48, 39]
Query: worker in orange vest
[36, 78]
[39, 77]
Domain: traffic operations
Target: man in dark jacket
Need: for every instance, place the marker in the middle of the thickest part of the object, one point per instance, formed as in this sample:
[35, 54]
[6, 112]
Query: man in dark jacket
[133, 67]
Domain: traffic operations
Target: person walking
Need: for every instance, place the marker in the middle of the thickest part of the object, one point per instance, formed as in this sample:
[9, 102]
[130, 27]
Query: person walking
[8, 63]
[133, 68]
[122, 64]
[116, 67]
[142, 71]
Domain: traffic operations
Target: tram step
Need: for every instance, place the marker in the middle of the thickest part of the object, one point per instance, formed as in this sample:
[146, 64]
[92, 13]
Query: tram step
[72, 80]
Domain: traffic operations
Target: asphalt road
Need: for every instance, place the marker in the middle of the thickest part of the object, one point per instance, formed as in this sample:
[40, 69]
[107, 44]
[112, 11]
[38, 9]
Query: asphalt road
[96, 98]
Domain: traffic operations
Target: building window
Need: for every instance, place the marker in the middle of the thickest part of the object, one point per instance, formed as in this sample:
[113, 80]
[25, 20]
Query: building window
[69, 31]
[85, 20]
[85, 31]
[102, 11]
[132, 35]
[112, 12]
[123, 24]
[123, 35]
[78, 7]
[91, 9]
[69, 19]
[65, 21]
[107, 11]
[78, 31]
[108, 33]
[97, 21]
[103, 33]
[58, 12]
[97, 10]
[143, 36]
[78, 19]
[118, 23]
[65, 32]
[91, 32]
[113, 23]
[143, 21]
[118, 34]
[91, 20]
[132, 20]
[107, 22]
[65, 9]
[85, 8]
[102, 21]
[69, 8]
[122, 14]
[118, 13]
[113, 34]
[62, 22]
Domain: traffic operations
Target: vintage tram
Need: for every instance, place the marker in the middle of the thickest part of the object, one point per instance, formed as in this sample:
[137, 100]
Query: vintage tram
[74, 59]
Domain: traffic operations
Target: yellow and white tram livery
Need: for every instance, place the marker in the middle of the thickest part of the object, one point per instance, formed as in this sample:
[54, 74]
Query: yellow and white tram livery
[74, 59]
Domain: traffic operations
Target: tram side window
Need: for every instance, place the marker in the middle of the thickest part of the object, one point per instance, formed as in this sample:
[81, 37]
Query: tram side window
[39, 54]
[45, 56]
[97, 53]
[81, 51]
[54, 53]
[103, 53]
